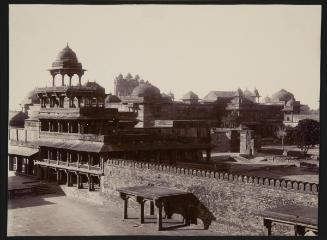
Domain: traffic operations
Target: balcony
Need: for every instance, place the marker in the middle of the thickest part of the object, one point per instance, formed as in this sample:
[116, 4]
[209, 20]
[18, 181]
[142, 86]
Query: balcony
[72, 166]
[73, 136]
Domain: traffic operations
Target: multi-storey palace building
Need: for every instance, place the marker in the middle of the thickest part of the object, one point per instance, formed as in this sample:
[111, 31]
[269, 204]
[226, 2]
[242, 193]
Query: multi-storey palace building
[70, 134]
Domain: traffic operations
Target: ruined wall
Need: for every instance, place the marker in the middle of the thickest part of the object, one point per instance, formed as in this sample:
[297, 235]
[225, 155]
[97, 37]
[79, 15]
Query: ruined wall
[234, 200]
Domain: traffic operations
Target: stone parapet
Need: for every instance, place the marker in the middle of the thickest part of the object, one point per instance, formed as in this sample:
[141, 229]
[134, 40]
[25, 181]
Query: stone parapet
[283, 184]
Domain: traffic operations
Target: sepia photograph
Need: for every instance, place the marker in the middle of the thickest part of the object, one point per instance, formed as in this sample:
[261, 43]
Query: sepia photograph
[164, 120]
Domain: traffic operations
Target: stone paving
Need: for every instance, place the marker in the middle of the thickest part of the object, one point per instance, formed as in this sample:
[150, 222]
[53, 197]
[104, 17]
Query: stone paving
[54, 215]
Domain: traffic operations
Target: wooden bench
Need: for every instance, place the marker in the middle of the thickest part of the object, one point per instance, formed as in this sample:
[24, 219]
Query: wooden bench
[301, 217]
[158, 196]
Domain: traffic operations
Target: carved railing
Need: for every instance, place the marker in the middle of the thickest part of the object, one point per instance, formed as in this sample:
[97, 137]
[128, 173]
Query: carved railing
[284, 184]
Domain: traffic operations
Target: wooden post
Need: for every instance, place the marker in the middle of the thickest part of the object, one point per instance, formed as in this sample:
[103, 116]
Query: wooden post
[267, 223]
[125, 198]
[140, 200]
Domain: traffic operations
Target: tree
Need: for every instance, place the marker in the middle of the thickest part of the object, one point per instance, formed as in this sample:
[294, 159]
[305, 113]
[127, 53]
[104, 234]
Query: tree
[307, 134]
[281, 134]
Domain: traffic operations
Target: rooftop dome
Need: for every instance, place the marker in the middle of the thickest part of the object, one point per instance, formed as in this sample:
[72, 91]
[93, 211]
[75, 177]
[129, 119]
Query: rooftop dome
[146, 90]
[266, 100]
[31, 98]
[290, 102]
[190, 95]
[112, 99]
[212, 96]
[248, 93]
[282, 96]
[166, 97]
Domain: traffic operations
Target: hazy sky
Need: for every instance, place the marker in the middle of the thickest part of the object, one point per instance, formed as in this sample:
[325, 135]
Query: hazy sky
[178, 48]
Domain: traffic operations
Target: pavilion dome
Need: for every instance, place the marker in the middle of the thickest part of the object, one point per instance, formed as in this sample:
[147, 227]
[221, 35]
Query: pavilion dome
[67, 60]
[146, 90]
[282, 96]
[67, 54]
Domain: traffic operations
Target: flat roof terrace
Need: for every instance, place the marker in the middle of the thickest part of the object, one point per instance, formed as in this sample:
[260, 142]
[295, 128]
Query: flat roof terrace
[60, 89]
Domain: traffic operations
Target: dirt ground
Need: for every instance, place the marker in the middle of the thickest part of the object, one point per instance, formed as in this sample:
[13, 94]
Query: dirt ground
[54, 215]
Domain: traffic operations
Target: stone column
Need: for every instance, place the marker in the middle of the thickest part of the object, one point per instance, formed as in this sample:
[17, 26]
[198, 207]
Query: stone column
[70, 80]
[78, 158]
[88, 160]
[62, 79]
[49, 126]
[58, 176]
[78, 180]
[68, 127]
[57, 156]
[89, 182]
[53, 80]
[68, 178]
[79, 80]
[79, 102]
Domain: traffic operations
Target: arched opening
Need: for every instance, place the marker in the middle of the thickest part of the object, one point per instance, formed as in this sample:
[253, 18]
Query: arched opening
[58, 80]
[66, 80]
[75, 80]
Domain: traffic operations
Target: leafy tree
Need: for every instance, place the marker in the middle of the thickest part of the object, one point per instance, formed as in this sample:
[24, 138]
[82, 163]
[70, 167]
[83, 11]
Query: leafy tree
[281, 133]
[307, 134]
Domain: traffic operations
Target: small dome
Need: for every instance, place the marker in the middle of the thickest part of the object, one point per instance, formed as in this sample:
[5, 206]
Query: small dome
[248, 93]
[67, 54]
[290, 102]
[190, 96]
[166, 97]
[146, 90]
[267, 100]
[282, 96]
[112, 99]
[95, 85]
[31, 98]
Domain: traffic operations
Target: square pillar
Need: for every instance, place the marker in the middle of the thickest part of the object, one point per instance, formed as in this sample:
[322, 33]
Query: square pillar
[159, 215]
[78, 158]
[78, 180]
[58, 177]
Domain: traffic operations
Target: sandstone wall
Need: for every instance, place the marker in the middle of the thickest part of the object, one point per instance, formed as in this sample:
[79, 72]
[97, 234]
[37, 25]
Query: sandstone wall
[235, 200]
